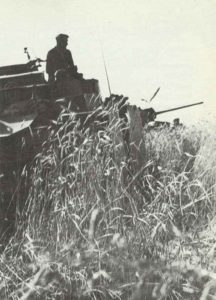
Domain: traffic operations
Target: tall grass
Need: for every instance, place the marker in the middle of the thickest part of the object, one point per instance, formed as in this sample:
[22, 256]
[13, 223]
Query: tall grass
[99, 225]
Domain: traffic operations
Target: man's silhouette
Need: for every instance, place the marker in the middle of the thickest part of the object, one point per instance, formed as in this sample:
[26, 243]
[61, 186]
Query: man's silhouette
[60, 58]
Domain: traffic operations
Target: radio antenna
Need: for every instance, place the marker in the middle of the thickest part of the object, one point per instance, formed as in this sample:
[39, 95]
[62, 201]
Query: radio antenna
[104, 62]
[105, 67]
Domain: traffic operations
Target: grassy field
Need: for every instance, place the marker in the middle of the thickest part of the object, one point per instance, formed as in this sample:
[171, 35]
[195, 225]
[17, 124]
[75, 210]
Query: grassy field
[104, 221]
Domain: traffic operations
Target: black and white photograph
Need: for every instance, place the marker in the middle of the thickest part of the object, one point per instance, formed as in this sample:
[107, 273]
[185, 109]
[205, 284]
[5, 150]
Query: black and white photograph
[108, 150]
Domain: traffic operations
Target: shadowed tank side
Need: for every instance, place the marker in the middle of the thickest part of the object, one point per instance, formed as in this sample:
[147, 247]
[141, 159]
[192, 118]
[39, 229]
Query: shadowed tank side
[28, 105]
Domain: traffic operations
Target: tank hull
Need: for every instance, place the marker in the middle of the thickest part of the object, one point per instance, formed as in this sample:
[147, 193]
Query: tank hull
[28, 105]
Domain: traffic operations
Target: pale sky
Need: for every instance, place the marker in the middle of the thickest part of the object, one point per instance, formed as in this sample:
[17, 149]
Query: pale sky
[147, 44]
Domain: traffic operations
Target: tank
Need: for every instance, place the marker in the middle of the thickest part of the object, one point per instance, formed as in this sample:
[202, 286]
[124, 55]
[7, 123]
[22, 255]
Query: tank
[28, 104]
[23, 89]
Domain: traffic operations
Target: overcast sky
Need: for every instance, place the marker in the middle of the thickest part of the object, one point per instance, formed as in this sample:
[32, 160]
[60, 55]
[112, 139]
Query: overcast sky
[147, 44]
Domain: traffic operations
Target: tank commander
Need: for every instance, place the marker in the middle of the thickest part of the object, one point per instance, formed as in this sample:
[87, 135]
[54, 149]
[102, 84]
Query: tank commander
[59, 59]
[63, 76]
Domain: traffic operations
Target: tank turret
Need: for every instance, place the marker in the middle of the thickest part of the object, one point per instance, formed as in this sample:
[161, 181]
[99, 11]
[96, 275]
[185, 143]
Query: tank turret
[149, 114]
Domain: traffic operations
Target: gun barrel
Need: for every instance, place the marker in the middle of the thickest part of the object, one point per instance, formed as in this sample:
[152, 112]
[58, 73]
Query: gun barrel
[177, 108]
